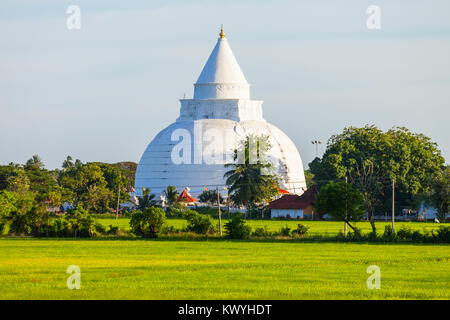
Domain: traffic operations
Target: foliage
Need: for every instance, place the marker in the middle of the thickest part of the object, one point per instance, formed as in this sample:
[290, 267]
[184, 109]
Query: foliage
[35, 161]
[251, 178]
[341, 201]
[176, 211]
[95, 186]
[371, 158]
[148, 223]
[82, 224]
[171, 195]
[262, 232]
[309, 178]
[147, 199]
[285, 231]
[440, 196]
[236, 228]
[301, 230]
[198, 223]
[210, 196]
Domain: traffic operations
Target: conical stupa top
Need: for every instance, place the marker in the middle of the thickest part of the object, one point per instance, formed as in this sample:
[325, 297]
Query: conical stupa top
[221, 69]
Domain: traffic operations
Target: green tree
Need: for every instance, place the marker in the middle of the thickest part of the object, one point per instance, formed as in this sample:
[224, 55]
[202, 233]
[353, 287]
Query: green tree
[148, 223]
[210, 196]
[440, 196]
[85, 185]
[8, 204]
[18, 181]
[371, 158]
[82, 224]
[68, 163]
[342, 202]
[35, 161]
[251, 178]
[236, 228]
[147, 199]
[171, 195]
[199, 223]
[309, 177]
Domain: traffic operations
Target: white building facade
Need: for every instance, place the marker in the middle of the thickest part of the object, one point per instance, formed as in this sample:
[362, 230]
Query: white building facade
[192, 151]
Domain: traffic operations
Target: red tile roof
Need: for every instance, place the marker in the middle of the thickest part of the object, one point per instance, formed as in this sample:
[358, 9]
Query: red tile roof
[293, 201]
[282, 191]
[186, 197]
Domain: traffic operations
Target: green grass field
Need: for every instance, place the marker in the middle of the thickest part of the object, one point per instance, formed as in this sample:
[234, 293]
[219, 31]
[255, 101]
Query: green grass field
[157, 269]
[328, 228]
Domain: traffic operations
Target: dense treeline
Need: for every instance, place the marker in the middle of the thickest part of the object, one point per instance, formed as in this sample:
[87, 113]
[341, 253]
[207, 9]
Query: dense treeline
[30, 193]
[372, 161]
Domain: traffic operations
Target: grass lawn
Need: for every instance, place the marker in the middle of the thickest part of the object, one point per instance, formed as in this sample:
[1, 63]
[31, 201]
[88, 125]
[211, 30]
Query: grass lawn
[315, 227]
[156, 269]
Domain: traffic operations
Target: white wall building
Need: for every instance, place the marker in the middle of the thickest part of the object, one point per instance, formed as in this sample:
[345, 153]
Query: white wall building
[211, 124]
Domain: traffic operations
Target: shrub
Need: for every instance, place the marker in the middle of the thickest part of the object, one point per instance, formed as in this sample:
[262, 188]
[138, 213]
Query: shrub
[19, 223]
[236, 228]
[285, 231]
[174, 212]
[301, 230]
[148, 223]
[262, 232]
[81, 223]
[199, 223]
[442, 234]
[212, 212]
[168, 230]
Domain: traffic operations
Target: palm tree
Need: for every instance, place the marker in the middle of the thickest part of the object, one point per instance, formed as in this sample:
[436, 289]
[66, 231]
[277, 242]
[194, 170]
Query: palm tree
[247, 184]
[147, 200]
[171, 194]
[68, 163]
[35, 161]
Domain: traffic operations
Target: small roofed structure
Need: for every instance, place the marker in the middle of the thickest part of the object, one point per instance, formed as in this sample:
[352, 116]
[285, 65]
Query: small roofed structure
[295, 206]
[282, 191]
[186, 197]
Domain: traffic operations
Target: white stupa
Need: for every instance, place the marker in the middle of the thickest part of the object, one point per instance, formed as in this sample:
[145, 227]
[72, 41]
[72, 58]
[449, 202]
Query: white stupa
[192, 151]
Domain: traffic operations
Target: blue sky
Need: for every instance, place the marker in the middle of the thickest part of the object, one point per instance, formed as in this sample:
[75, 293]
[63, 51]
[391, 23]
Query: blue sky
[103, 92]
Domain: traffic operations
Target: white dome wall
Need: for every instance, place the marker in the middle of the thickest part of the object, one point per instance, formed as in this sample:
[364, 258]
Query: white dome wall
[156, 170]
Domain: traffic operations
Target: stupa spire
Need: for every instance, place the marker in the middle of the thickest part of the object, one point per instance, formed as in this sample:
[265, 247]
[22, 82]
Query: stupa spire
[222, 34]
[222, 77]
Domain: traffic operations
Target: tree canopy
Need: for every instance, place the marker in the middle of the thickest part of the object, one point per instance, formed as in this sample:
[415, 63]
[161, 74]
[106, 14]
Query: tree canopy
[371, 159]
[251, 177]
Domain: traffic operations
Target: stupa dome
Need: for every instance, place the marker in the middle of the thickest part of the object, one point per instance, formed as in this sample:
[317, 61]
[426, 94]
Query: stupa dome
[192, 151]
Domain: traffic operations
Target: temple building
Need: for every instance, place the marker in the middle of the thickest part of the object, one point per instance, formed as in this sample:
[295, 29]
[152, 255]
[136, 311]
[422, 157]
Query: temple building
[191, 152]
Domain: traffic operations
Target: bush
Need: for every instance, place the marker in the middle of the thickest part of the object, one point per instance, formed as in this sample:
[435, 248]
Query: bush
[442, 234]
[301, 230]
[212, 212]
[113, 230]
[81, 223]
[262, 232]
[148, 223]
[199, 223]
[236, 228]
[174, 212]
[285, 231]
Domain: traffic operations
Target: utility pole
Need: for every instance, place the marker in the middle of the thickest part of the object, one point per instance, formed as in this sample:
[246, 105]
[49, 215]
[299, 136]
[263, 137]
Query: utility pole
[118, 202]
[393, 206]
[346, 213]
[220, 214]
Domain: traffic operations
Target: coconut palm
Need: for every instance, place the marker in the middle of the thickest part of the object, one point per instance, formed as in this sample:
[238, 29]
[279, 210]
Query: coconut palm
[250, 181]
[171, 194]
[147, 200]
[35, 161]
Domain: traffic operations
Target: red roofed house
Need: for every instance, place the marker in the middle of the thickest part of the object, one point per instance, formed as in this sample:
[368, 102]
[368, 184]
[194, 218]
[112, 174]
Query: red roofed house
[294, 206]
[186, 197]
